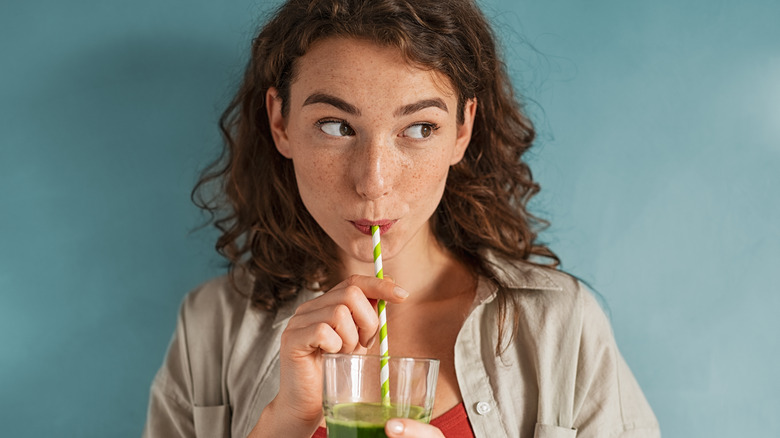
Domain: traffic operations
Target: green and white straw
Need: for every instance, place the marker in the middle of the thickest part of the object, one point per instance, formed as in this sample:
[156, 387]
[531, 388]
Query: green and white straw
[384, 370]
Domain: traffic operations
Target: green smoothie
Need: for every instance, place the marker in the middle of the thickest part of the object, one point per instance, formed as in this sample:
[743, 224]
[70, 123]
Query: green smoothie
[366, 420]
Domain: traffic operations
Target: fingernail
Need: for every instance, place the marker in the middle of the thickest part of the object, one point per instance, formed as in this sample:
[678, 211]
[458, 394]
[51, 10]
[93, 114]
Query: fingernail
[371, 342]
[400, 293]
[395, 427]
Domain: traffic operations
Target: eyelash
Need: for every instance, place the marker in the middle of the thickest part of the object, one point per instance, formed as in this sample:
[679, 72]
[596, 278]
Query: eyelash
[324, 121]
[320, 123]
[433, 126]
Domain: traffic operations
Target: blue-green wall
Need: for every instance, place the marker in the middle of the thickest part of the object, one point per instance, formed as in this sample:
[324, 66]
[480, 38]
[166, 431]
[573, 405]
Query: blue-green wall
[659, 156]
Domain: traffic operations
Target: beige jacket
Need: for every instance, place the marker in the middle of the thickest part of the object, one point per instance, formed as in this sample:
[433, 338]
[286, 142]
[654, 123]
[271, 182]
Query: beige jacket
[562, 376]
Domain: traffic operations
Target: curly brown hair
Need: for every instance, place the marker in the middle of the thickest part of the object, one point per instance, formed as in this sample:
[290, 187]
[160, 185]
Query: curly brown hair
[265, 228]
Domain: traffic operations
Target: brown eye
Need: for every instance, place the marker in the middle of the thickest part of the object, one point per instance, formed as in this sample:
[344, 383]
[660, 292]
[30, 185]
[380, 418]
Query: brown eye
[420, 130]
[346, 130]
[336, 128]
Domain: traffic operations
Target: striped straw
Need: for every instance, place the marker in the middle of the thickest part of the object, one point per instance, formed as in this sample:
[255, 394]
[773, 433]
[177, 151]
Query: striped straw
[384, 370]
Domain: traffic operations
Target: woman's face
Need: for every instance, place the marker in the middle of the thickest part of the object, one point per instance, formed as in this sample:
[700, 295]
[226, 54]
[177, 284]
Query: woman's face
[371, 139]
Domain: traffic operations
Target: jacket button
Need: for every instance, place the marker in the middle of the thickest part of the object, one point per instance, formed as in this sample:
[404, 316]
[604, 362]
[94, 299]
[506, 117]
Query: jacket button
[483, 408]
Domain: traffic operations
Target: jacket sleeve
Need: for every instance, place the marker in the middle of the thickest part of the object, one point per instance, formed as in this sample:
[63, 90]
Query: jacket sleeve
[608, 400]
[170, 412]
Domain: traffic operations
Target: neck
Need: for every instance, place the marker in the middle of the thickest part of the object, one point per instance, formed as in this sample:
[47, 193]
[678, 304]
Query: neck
[423, 267]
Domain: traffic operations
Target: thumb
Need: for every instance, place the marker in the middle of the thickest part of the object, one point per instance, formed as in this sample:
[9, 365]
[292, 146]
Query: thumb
[406, 428]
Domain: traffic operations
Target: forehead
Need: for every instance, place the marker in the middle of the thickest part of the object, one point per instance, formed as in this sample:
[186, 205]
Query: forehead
[361, 68]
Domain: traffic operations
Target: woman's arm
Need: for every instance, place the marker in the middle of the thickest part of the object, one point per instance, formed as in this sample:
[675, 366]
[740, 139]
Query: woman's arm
[608, 397]
[343, 320]
[170, 409]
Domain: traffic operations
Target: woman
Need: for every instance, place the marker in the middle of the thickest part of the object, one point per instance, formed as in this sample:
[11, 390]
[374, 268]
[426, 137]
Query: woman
[397, 114]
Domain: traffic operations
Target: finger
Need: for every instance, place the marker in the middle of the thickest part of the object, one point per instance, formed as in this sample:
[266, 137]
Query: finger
[335, 294]
[306, 340]
[377, 288]
[404, 427]
[338, 317]
[362, 312]
[373, 301]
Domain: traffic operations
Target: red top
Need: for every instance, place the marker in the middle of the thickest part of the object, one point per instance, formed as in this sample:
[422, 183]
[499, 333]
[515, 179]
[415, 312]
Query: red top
[453, 424]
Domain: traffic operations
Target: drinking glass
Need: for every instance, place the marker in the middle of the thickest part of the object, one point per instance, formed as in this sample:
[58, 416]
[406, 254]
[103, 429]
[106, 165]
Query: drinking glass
[352, 397]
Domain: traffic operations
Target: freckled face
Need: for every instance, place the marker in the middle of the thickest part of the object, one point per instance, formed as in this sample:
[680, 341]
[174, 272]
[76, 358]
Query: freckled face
[371, 139]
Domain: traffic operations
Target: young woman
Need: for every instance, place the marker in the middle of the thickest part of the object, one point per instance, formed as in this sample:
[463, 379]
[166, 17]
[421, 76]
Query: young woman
[394, 113]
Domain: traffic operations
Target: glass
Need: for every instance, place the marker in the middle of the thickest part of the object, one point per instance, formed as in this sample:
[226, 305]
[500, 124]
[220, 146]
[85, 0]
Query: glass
[352, 399]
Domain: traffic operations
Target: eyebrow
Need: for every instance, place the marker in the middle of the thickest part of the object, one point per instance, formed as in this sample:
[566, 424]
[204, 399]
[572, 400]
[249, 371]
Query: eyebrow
[348, 108]
[420, 105]
[332, 101]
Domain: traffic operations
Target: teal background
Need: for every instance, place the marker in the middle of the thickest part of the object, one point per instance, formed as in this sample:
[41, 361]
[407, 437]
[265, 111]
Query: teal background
[658, 155]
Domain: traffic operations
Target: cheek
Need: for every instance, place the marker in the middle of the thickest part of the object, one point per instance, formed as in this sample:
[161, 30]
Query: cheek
[319, 180]
[312, 171]
[426, 178]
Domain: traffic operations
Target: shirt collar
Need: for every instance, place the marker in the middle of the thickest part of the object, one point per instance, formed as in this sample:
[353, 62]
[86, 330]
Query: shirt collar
[521, 274]
[513, 275]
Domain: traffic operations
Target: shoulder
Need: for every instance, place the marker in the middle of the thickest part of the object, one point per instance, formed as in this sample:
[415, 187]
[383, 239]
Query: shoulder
[212, 319]
[217, 313]
[216, 300]
[544, 293]
[583, 381]
[222, 299]
[551, 307]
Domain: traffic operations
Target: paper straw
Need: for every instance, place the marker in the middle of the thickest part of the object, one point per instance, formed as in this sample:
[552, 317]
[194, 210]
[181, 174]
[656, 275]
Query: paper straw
[384, 370]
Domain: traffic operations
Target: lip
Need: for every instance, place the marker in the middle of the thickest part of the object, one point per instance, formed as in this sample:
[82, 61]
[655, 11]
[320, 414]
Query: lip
[364, 225]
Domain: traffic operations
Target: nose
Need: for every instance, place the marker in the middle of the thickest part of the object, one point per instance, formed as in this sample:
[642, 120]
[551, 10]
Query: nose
[372, 168]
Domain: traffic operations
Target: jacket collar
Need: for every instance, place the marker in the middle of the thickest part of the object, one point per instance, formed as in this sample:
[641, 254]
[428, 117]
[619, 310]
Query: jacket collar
[513, 275]
[521, 274]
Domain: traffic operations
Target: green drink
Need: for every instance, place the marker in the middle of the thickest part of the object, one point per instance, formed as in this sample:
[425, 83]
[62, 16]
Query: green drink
[367, 420]
[352, 393]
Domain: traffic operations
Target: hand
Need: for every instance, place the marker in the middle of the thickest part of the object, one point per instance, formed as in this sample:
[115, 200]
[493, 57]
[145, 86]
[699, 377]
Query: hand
[406, 428]
[343, 320]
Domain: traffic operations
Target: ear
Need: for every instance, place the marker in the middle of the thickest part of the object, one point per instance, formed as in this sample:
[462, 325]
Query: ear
[273, 105]
[464, 131]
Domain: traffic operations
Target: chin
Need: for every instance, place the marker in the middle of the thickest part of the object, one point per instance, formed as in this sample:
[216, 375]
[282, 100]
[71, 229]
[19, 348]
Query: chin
[357, 250]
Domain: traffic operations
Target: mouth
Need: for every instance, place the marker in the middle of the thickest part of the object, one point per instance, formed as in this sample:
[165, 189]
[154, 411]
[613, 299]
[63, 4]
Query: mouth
[364, 225]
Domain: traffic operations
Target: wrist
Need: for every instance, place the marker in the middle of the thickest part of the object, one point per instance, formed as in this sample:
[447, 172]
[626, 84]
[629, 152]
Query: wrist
[276, 421]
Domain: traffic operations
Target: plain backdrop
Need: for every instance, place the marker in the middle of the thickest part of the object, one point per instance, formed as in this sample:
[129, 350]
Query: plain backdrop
[658, 155]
